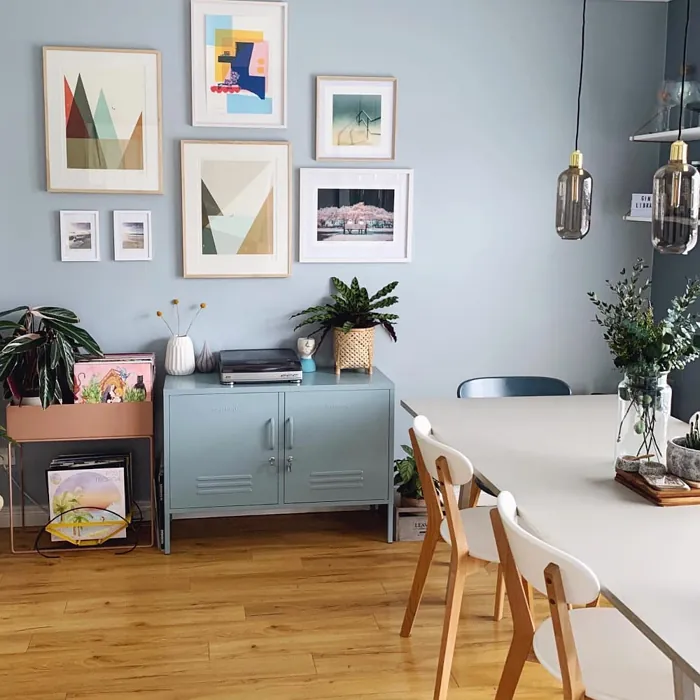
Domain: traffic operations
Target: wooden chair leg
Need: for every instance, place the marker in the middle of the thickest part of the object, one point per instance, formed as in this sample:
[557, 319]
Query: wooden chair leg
[518, 655]
[419, 578]
[458, 574]
[530, 595]
[500, 598]
[474, 493]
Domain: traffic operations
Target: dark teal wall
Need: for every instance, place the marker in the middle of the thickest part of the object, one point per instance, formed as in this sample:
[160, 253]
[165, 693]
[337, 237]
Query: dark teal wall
[671, 271]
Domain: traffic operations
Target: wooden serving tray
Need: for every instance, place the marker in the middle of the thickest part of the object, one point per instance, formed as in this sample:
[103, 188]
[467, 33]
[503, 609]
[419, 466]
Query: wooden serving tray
[635, 483]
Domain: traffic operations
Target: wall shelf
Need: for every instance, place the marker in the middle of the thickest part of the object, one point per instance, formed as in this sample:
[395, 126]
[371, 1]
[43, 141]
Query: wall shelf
[642, 219]
[691, 134]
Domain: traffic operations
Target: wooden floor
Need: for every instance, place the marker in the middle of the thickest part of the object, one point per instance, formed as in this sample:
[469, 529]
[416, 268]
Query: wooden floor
[274, 608]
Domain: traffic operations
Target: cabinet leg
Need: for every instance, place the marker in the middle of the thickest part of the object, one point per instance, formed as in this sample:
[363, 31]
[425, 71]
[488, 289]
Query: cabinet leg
[390, 523]
[167, 521]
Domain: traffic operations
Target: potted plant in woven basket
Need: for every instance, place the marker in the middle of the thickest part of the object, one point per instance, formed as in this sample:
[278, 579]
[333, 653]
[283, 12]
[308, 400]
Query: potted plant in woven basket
[352, 316]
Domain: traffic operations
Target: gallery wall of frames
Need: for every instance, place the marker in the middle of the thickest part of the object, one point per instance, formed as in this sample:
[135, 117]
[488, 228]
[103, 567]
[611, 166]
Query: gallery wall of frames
[104, 134]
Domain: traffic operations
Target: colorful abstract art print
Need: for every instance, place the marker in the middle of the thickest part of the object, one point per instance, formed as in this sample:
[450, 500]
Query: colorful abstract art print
[239, 63]
[357, 216]
[355, 118]
[103, 123]
[235, 198]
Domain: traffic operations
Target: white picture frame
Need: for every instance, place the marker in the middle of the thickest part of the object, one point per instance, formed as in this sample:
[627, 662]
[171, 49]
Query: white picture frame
[355, 118]
[241, 189]
[103, 120]
[133, 239]
[80, 236]
[355, 216]
[237, 96]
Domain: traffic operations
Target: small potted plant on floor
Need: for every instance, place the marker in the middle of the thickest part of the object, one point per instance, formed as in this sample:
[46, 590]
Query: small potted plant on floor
[38, 354]
[683, 454]
[646, 350]
[352, 316]
[407, 480]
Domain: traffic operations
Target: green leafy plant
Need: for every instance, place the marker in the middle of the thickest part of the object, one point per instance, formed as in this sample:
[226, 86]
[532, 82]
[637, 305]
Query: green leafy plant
[640, 345]
[406, 477]
[39, 353]
[5, 436]
[692, 438]
[645, 348]
[352, 307]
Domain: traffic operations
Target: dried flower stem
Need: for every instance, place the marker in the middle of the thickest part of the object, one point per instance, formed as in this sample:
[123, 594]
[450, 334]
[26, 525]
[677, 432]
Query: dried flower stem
[199, 311]
[160, 316]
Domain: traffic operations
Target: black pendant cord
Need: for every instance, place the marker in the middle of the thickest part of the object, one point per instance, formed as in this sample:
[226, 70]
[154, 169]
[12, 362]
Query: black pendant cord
[683, 68]
[580, 75]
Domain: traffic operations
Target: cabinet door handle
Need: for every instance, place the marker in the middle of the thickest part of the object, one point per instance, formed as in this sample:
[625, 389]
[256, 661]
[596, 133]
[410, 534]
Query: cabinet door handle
[271, 434]
[290, 459]
[289, 439]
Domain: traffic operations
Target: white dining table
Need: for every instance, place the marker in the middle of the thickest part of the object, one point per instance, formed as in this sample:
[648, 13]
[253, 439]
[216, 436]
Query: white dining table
[556, 456]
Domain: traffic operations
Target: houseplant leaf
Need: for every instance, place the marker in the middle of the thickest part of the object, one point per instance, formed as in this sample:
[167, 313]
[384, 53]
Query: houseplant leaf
[55, 313]
[9, 312]
[23, 343]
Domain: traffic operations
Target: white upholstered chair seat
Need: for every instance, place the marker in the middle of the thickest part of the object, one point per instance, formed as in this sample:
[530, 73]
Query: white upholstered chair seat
[617, 661]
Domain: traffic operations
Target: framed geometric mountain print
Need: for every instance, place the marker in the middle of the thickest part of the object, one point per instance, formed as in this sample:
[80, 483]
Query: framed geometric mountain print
[103, 120]
[239, 63]
[235, 208]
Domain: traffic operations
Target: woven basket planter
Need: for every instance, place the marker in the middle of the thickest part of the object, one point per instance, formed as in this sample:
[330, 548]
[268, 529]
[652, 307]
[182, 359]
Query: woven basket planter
[354, 349]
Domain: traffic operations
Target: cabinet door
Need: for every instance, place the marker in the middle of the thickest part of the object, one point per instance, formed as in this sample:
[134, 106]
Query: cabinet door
[224, 450]
[338, 443]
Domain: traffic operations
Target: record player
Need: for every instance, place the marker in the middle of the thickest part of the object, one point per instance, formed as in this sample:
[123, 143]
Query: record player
[256, 366]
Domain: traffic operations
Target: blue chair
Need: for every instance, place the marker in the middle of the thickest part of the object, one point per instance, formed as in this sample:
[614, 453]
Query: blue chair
[499, 387]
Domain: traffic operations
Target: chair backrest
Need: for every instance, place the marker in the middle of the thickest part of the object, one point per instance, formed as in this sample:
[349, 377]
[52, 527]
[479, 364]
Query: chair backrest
[499, 387]
[461, 469]
[532, 556]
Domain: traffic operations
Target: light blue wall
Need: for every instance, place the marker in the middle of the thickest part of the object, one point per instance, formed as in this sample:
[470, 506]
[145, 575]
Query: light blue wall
[486, 117]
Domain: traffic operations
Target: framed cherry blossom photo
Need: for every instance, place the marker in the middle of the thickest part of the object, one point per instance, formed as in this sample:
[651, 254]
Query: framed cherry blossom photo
[355, 215]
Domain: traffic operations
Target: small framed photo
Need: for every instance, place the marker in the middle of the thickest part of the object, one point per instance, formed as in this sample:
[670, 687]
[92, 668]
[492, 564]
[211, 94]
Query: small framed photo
[355, 118]
[80, 236]
[357, 216]
[132, 235]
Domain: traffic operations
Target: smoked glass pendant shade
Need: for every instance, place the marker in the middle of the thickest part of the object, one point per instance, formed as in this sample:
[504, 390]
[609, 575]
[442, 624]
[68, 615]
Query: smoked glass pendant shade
[675, 204]
[574, 199]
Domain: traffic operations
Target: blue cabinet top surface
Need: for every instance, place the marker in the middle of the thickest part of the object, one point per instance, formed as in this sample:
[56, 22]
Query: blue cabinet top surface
[323, 379]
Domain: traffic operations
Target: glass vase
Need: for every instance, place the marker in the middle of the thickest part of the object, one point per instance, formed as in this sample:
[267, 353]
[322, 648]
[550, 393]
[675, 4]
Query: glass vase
[644, 406]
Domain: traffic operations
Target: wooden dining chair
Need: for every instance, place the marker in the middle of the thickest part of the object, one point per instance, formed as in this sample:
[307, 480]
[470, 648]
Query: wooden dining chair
[595, 652]
[469, 531]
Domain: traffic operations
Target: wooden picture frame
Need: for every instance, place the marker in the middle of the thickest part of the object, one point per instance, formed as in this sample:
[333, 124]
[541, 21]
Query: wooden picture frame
[241, 189]
[103, 120]
[356, 118]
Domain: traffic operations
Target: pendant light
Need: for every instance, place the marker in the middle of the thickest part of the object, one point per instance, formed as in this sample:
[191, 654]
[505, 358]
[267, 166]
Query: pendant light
[676, 193]
[575, 185]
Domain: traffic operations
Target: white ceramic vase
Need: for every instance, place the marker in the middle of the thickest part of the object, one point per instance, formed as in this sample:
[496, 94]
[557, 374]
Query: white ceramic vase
[179, 355]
